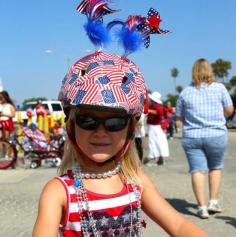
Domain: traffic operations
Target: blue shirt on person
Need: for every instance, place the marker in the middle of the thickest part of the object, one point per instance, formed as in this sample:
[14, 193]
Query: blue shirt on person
[202, 109]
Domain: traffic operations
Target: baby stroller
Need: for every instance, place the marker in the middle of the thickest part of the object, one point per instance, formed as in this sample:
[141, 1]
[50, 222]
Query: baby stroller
[37, 147]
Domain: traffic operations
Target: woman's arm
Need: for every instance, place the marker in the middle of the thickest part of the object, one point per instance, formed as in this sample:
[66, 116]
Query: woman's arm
[228, 111]
[13, 111]
[179, 119]
[152, 111]
[160, 211]
[51, 206]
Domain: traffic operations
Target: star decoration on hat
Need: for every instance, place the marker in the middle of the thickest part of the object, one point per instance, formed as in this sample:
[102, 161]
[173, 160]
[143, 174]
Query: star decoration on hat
[152, 26]
[154, 22]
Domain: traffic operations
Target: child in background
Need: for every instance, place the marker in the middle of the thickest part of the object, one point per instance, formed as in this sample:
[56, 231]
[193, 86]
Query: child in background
[102, 187]
[56, 137]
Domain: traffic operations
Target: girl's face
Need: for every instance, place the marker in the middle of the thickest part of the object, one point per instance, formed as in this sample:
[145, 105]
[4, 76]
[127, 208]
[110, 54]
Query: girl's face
[99, 144]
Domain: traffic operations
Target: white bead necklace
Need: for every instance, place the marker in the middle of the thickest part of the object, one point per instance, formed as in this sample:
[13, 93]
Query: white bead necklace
[89, 175]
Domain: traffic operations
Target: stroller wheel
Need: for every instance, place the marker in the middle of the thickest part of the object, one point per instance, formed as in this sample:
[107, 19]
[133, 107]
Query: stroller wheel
[57, 161]
[33, 165]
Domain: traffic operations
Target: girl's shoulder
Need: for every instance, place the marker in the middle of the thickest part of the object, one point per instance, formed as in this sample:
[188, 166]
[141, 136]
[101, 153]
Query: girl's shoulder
[53, 192]
[58, 183]
[55, 184]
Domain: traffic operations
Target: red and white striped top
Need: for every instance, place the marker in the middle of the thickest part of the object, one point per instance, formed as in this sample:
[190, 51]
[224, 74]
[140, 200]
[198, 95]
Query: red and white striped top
[112, 213]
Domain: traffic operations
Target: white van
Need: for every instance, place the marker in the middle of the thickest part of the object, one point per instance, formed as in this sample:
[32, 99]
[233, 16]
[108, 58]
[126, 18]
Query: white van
[53, 106]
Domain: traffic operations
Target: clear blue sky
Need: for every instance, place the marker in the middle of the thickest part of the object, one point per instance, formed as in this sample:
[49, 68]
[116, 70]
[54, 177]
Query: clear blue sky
[39, 39]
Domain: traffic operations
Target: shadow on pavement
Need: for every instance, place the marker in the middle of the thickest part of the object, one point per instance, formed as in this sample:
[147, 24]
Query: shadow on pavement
[182, 206]
[228, 220]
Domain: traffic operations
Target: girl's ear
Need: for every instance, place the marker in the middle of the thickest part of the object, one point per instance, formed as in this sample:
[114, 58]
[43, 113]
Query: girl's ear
[131, 130]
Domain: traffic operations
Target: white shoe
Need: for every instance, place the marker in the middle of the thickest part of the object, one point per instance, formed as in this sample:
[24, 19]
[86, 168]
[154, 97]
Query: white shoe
[214, 208]
[203, 213]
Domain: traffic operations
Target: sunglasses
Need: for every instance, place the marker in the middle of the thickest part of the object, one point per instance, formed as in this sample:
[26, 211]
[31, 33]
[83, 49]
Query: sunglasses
[111, 124]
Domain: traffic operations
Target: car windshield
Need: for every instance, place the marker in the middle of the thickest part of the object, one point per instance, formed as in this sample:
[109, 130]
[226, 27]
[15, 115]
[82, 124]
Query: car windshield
[24, 107]
[27, 106]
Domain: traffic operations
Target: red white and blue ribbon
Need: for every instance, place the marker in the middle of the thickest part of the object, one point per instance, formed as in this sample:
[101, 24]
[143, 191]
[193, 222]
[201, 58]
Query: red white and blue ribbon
[95, 9]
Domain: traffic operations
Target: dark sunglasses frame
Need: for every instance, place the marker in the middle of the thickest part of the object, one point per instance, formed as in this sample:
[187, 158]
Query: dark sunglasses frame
[111, 124]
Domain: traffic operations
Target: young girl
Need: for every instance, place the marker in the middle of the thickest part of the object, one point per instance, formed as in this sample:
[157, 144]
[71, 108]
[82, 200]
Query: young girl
[103, 188]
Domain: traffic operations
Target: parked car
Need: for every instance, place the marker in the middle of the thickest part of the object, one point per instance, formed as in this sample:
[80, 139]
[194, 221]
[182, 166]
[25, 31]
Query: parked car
[53, 106]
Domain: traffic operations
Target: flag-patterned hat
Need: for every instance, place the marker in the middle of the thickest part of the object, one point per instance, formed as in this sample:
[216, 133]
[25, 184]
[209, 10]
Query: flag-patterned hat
[107, 80]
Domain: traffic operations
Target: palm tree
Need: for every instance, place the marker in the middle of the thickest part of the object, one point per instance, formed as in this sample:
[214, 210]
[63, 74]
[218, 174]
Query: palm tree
[221, 68]
[179, 89]
[174, 74]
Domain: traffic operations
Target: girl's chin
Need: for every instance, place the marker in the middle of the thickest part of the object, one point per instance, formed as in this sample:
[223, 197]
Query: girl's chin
[100, 158]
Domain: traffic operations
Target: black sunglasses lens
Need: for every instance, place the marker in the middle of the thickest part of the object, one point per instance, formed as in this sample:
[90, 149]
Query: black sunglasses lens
[115, 124]
[110, 124]
[87, 123]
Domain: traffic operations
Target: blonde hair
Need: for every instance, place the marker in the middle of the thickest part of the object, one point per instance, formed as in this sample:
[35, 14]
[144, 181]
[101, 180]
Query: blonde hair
[130, 163]
[202, 72]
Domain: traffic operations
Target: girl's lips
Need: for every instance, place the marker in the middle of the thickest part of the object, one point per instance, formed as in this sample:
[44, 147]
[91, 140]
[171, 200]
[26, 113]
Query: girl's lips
[99, 144]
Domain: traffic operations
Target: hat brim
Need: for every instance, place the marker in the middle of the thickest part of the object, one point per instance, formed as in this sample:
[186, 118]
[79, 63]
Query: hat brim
[119, 110]
[155, 99]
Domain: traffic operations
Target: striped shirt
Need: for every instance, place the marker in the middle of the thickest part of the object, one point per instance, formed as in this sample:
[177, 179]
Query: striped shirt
[202, 109]
[112, 213]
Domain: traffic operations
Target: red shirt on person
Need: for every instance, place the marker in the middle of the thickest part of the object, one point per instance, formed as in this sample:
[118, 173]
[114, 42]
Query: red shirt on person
[169, 110]
[155, 119]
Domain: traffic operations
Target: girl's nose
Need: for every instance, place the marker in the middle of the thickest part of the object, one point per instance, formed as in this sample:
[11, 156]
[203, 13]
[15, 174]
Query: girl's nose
[100, 129]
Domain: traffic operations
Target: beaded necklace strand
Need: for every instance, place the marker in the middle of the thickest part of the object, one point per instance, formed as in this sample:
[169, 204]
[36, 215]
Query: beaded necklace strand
[83, 202]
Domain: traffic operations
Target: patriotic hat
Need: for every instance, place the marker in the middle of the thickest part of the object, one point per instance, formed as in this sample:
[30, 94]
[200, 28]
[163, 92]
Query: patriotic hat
[105, 80]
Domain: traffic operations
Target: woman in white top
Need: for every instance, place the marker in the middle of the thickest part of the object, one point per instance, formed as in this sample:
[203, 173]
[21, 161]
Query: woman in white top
[7, 112]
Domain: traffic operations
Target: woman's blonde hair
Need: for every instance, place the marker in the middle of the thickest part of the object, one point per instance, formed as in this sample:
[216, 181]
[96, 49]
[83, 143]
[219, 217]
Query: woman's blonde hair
[202, 72]
[130, 163]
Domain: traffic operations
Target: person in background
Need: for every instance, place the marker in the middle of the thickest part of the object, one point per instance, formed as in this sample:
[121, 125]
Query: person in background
[139, 135]
[7, 112]
[202, 107]
[158, 148]
[40, 109]
[169, 113]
